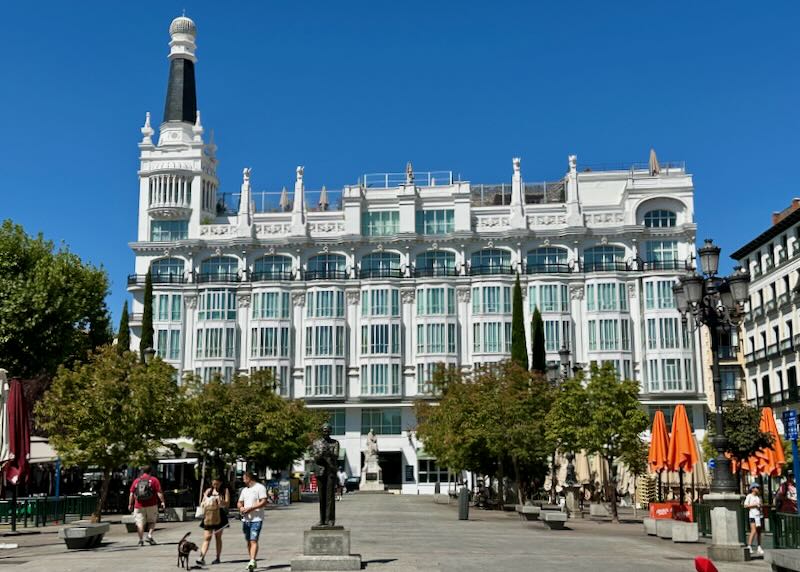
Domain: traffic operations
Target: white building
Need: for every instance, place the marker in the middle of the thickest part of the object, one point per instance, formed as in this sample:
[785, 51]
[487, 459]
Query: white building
[768, 331]
[352, 297]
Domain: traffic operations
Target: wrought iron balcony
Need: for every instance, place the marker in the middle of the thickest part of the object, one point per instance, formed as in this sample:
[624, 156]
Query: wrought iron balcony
[486, 270]
[607, 266]
[665, 265]
[272, 275]
[380, 273]
[326, 275]
[554, 268]
[434, 271]
[204, 278]
[139, 279]
[727, 352]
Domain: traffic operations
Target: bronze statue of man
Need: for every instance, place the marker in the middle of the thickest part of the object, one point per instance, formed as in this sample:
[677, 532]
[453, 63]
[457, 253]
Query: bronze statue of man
[326, 457]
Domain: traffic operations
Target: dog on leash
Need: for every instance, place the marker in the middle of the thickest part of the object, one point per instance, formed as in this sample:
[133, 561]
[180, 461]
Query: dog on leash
[185, 547]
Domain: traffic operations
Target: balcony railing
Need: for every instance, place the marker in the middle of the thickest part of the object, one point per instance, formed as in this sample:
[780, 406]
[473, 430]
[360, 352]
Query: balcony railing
[786, 344]
[139, 279]
[665, 265]
[326, 275]
[380, 273]
[607, 266]
[204, 278]
[555, 268]
[759, 354]
[435, 271]
[485, 270]
[727, 352]
[268, 275]
[772, 349]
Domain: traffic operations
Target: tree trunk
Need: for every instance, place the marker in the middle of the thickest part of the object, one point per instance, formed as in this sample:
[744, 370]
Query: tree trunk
[518, 477]
[553, 497]
[101, 499]
[614, 511]
[500, 482]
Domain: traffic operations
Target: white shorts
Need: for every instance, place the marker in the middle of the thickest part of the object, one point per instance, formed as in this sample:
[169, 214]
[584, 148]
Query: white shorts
[145, 515]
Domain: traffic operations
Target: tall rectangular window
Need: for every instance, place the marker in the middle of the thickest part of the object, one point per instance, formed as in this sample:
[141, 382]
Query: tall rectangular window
[169, 230]
[435, 221]
[381, 421]
[177, 305]
[380, 223]
[590, 297]
[551, 335]
[592, 325]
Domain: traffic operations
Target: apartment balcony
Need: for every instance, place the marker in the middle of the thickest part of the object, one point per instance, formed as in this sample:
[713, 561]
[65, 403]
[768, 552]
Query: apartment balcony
[555, 268]
[607, 266]
[272, 276]
[650, 265]
[787, 345]
[434, 272]
[218, 277]
[309, 275]
[380, 273]
[727, 352]
[489, 270]
[773, 350]
[139, 279]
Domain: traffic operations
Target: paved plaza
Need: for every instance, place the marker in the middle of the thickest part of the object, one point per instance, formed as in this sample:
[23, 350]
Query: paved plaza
[392, 533]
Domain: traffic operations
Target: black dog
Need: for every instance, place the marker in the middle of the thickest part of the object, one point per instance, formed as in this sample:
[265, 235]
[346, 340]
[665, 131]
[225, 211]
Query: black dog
[184, 549]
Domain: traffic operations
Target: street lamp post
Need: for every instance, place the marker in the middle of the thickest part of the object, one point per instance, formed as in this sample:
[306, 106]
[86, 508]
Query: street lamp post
[718, 303]
[149, 354]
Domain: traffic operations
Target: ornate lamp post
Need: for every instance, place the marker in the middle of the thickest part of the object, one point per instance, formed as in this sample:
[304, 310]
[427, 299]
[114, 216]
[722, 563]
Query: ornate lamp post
[718, 303]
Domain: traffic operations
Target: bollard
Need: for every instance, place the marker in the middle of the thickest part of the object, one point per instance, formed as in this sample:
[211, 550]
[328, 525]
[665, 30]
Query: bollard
[463, 504]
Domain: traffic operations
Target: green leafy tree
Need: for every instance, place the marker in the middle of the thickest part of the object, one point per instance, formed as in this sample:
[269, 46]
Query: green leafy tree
[635, 459]
[519, 344]
[742, 425]
[247, 419]
[614, 419]
[538, 352]
[52, 306]
[146, 340]
[111, 411]
[565, 419]
[124, 333]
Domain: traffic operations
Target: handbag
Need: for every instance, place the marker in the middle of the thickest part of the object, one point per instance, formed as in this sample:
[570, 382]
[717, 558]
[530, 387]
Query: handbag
[200, 511]
[211, 508]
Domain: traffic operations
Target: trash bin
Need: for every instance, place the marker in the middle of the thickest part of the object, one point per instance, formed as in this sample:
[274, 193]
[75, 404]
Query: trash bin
[463, 504]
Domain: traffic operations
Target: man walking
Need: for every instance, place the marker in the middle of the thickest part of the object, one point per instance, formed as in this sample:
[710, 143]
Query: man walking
[144, 499]
[251, 504]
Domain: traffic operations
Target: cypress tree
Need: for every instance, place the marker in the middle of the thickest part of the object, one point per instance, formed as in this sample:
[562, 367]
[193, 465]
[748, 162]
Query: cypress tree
[124, 333]
[519, 344]
[146, 340]
[538, 353]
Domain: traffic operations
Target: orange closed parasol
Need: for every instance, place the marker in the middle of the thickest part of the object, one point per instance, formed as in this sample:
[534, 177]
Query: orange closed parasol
[767, 461]
[659, 444]
[682, 453]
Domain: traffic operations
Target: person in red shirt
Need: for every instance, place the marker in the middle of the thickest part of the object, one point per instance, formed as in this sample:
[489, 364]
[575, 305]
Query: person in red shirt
[144, 501]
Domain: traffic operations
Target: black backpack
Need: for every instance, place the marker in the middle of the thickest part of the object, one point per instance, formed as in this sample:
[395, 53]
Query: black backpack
[144, 489]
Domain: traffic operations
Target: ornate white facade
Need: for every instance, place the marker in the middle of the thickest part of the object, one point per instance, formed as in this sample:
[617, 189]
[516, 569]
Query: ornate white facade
[353, 297]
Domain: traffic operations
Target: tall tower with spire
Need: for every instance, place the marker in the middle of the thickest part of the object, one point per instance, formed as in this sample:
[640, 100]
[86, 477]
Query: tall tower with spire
[177, 175]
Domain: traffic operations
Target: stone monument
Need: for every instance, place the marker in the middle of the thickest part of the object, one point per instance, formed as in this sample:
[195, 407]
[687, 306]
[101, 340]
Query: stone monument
[371, 473]
[326, 546]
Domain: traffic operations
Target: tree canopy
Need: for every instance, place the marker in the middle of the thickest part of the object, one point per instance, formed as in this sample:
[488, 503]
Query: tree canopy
[111, 411]
[52, 305]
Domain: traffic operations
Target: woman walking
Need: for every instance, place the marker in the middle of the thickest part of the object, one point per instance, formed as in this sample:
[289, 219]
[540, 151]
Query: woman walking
[753, 503]
[216, 500]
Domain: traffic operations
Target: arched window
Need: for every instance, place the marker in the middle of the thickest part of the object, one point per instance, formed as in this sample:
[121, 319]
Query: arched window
[436, 263]
[490, 261]
[546, 260]
[326, 266]
[219, 269]
[660, 219]
[167, 270]
[381, 265]
[273, 268]
[604, 258]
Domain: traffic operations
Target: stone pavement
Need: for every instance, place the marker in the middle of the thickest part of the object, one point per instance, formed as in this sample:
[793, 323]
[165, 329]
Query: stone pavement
[393, 534]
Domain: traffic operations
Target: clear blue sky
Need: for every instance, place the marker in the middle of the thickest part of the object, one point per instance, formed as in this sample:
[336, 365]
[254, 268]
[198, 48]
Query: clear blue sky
[364, 86]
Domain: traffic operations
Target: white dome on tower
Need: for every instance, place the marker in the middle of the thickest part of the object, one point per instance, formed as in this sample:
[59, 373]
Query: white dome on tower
[183, 25]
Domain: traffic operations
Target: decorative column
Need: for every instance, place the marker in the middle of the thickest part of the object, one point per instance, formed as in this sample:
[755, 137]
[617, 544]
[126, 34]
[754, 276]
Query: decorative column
[189, 319]
[298, 371]
[407, 297]
[243, 321]
[353, 374]
[464, 295]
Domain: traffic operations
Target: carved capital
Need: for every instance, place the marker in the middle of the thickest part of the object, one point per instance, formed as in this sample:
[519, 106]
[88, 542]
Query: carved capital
[576, 292]
[464, 293]
[243, 300]
[353, 297]
[299, 299]
[191, 301]
[632, 292]
[408, 295]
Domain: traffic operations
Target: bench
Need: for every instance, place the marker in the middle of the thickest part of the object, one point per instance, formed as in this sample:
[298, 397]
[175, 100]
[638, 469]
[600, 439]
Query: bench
[554, 520]
[528, 512]
[83, 534]
[784, 560]
[130, 522]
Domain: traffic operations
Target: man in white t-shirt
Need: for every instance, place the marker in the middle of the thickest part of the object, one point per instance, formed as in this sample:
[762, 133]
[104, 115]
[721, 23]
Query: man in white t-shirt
[251, 504]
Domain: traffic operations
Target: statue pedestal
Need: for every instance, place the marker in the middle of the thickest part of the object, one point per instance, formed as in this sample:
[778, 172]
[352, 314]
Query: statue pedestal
[371, 477]
[725, 545]
[573, 502]
[326, 548]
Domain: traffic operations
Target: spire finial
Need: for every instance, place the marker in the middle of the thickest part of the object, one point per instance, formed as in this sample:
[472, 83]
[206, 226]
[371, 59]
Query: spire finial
[147, 131]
